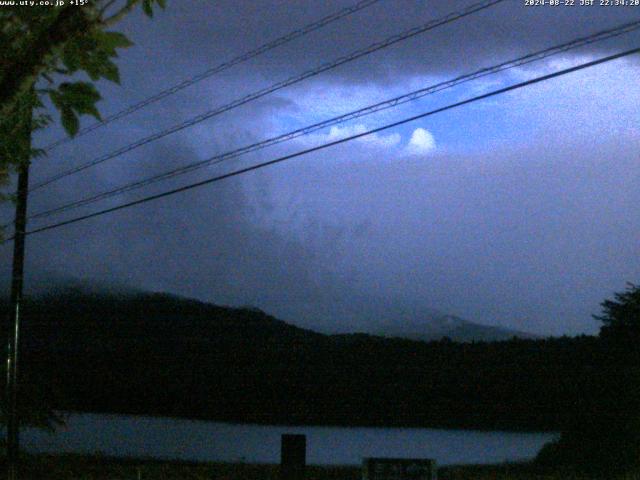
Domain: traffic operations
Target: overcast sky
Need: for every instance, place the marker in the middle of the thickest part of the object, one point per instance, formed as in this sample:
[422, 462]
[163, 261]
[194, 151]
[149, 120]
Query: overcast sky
[519, 211]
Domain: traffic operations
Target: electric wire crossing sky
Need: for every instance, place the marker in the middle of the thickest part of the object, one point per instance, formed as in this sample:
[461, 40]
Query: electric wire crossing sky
[337, 142]
[452, 17]
[289, 37]
[458, 15]
[380, 106]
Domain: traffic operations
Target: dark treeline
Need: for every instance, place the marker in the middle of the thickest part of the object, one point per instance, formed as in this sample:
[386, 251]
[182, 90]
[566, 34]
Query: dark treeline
[158, 354]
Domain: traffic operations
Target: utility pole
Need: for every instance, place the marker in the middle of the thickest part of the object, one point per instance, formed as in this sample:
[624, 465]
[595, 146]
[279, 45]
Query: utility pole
[15, 305]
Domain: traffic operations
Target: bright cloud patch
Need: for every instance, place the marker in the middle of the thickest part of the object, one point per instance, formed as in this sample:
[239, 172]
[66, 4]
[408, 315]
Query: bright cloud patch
[421, 142]
[374, 140]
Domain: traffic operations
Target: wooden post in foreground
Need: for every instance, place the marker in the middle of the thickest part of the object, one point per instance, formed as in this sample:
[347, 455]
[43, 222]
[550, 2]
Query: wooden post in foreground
[293, 457]
[15, 303]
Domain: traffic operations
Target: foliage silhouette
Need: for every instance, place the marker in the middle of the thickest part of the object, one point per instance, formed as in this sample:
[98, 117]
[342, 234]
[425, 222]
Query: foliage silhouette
[605, 436]
[158, 354]
[43, 51]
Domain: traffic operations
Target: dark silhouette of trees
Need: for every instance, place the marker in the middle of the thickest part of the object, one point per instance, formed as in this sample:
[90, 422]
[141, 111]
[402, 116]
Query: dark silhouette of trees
[143, 353]
[605, 434]
[621, 316]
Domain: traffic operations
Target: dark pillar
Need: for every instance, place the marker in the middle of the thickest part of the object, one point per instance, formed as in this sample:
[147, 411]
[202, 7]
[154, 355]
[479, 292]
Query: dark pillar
[293, 457]
[17, 280]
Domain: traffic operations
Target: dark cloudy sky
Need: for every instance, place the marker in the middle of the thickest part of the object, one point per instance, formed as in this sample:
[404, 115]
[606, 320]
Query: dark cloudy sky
[518, 211]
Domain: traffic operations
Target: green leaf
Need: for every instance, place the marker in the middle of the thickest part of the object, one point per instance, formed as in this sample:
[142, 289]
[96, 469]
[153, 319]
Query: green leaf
[79, 93]
[162, 3]
[93, 111]
[111, 40]
[70, 121]
[148, 9]
[110, 72]
[93, 70]
[71, 57]
[79, 97]
[87, 42]
[56, 99]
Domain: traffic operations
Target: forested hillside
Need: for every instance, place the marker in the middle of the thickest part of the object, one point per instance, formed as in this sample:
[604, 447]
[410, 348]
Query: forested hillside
[150, 353]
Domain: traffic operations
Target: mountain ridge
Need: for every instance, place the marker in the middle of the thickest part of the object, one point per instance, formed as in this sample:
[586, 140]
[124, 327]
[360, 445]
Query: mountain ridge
[425, 325]
[437, 326]
[159, 354]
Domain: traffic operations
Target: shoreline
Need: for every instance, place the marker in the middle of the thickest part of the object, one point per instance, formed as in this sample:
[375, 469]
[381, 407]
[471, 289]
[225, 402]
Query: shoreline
[269, 423]
[99, 467]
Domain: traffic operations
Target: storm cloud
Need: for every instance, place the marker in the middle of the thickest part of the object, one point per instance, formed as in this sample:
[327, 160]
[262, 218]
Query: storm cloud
[515, 211]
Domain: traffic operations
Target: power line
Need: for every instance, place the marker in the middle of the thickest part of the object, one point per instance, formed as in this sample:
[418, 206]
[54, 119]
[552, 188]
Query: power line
[217, 69]
[277, 86]
[412, 96]
[336, 142]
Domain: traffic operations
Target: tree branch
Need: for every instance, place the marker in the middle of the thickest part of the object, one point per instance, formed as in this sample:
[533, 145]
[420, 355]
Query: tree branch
[106, 7]
[25, 68]
[120, 13]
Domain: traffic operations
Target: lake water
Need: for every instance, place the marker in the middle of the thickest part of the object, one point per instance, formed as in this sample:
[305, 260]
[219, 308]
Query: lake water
[135, 436]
